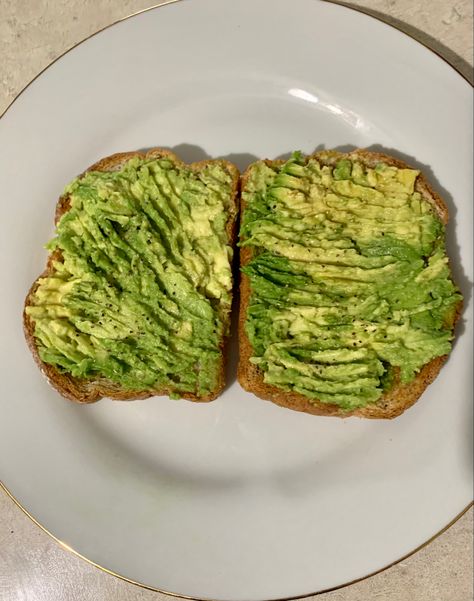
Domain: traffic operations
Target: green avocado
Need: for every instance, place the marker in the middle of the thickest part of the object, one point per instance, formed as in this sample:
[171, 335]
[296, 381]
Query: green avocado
[141, 294]
[349, 278]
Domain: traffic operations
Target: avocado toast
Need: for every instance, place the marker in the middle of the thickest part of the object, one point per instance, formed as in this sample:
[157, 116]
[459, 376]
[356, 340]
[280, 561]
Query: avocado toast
[347, 302]
[136, 295]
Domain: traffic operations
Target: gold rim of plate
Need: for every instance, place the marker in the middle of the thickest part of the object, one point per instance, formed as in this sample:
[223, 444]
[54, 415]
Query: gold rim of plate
[159, 590]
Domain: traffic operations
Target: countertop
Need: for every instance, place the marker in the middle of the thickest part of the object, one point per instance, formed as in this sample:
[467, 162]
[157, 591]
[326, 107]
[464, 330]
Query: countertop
[33, 567]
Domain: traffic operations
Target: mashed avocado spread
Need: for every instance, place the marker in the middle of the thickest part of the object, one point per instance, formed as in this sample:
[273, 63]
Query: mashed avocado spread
[349, 278]
[141, 289]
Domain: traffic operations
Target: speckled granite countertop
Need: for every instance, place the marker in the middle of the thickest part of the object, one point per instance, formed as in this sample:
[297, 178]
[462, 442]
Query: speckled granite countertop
[32, 566]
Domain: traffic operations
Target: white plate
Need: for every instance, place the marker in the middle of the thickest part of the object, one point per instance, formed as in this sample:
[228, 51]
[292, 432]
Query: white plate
[237, 499]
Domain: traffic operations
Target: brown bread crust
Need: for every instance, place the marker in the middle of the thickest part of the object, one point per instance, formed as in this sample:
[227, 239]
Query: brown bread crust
[401, 396]
[88, 391]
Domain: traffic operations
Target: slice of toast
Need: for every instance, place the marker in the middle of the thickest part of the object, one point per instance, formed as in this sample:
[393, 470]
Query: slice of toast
[86, 390]
[399, 396]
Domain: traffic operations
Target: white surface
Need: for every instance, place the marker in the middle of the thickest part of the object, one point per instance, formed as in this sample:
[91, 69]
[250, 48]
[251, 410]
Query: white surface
[236, 499]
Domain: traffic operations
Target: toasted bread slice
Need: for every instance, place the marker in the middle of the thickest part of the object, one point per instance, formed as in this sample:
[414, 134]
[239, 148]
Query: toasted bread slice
[85, 390]
[400, 396]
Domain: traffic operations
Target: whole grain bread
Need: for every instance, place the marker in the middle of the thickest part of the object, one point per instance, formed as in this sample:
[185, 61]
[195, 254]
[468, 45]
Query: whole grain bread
[401, 396]
[88, 391]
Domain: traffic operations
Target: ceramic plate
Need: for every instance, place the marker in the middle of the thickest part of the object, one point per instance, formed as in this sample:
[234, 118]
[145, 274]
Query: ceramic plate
[236, 499]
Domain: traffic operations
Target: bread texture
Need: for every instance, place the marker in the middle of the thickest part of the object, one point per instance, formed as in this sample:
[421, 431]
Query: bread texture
[401, 396]
[87, 390]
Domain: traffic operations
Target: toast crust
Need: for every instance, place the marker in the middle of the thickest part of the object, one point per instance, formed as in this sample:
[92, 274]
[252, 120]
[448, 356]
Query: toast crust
[83, 390]
[401, 396]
